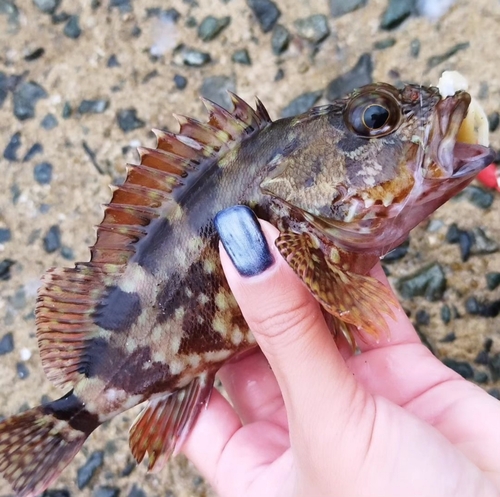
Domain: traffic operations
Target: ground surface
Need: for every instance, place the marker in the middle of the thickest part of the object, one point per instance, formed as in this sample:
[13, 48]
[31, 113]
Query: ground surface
[87, 151]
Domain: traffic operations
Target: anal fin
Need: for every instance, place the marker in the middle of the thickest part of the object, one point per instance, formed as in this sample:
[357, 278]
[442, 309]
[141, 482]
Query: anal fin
[357, 300]
[162, 426]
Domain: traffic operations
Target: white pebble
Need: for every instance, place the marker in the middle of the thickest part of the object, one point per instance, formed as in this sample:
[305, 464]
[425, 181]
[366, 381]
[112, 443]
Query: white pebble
[25, 354]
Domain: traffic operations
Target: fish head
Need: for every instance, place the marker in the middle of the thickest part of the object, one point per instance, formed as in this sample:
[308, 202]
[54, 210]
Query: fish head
[378, 162]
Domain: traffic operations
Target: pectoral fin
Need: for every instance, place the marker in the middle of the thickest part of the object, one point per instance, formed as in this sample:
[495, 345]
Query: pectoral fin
[356, 300]
[162, 426]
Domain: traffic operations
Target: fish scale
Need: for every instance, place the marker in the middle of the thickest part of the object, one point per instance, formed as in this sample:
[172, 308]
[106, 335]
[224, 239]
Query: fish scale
[151, 316]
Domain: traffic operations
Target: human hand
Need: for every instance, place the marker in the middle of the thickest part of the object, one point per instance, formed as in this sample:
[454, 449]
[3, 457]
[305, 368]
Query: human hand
[309, 418]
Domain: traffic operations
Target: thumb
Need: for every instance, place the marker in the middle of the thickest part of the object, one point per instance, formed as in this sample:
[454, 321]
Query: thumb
[285, 319]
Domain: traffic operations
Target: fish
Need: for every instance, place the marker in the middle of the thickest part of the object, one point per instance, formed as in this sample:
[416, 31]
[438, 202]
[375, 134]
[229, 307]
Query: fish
[150, 318]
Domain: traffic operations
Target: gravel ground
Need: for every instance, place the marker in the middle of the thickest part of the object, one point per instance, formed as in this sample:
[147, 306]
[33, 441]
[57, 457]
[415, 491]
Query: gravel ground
[81, 84]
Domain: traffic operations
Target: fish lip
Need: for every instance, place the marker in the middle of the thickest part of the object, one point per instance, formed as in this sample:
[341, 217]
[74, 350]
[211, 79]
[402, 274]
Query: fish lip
[456, 159]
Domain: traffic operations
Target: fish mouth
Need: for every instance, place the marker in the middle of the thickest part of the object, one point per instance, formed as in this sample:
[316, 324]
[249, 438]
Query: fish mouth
[458, 145]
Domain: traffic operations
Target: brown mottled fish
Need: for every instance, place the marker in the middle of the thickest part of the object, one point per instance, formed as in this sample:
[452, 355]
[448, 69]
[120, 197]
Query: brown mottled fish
[151, 317]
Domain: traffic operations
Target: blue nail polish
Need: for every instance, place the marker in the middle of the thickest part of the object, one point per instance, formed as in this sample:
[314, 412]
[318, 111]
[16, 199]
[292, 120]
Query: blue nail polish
[242, 237]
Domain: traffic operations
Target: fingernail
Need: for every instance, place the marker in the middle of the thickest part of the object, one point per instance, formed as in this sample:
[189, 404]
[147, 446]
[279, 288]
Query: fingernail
[243, 239]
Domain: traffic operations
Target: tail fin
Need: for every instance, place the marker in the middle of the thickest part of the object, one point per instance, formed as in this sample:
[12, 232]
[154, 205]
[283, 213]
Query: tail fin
[36, 445]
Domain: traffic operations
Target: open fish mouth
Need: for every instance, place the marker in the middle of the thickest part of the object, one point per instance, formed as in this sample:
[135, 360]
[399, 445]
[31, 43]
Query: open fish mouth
[459, 137]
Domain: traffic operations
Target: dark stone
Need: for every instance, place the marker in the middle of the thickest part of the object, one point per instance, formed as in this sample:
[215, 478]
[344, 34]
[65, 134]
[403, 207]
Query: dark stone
[484, 90]
[453, 233]
[124, 6]
[5, 235]
[438, 59]
[488, 343]
[135, 491]
[485, 308]
[22, 370]
[10, 152]
[52, 240]
[212, 26]
[359, 75]
[472, 305]
[492, 280]
[106, 492]
[422, 317]
[463, 368]
[494, 366]
[481, 377]
[34, 54]
[35, 149]
[449, 337]
[242, 57]
[128, 469]
[5, 266]
[415, 48]
[482, 357]
[67, 253]
[313, 28]
[301, 104]
[429, 281]
[397, 253]
[280, 39]
[482, 243]
[465, 241]
[4, 87]
[149, 76]
[445, 314]
[339, 8]
[280, 74]
[49, 122]
[118, 310]
[215, 89]
[66, 111]
[478, 196]
[136, 32]
[167, 14]
[60, 17]
[494, 121]
[128, 120]
[93, 106]
[10, 9]
[47, 6]
[192, 57]
[180, 82]
[385, 43]
[87, 471]
[266, 12]
[56, 493]
[494, 392]
[112, 61]
[43, 173]
[72, 28]
[6, 344]
[396, 12]
[26, 96]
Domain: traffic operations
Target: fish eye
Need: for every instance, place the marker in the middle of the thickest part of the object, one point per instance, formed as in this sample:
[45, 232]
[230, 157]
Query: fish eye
[373, 114]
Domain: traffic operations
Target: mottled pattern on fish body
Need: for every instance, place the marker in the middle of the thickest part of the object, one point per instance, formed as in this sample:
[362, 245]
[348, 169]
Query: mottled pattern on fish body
[151, 316]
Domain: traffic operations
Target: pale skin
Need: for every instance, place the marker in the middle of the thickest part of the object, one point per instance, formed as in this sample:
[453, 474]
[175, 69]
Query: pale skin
[309, 418]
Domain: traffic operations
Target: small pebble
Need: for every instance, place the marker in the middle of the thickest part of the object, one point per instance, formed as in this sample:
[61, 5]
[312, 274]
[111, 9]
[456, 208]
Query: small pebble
[397, 253]
[241, 57]
[359, 75]
[301, 104]
[72, 29]
[445, 314]
[66, 111]
[429, 281]
[129, 468]
[43, 173]
[10, 152]
[87, 471]
[212, 26]
[492, 280]
[135, 491]
[67, 253]
[453, 233]
[339, 8]
[494, 366]
[494, 392]
[18, 300]
[60, 17]
[47, 6]
[465, 242]
[6, 344]
[192, 57]
[484, 90]
[313, 28]
[106, 492]
[124, 6]
[10, 9]
[482, 243]
[485, 308]
[22, 370]
[165, 14]
[35, 149]
[4, 87]
[266, 12]
[128, 120]
[383, 44]
[49, 122]
[438, 59]
[5, 235]
[415, 48]
[215, 89]
[56, 493]
[449, 337]
[180, 82]
[463, 368]
[280, 74]
[480, 197]
[34, 54]
[280, 38]
[112, 61]
[481, 377]
[422, 317]
[93, 106]
[482, 357]
[25, 354]
[494, 121]
[52, 240]
[5, 266]
[396, 12]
